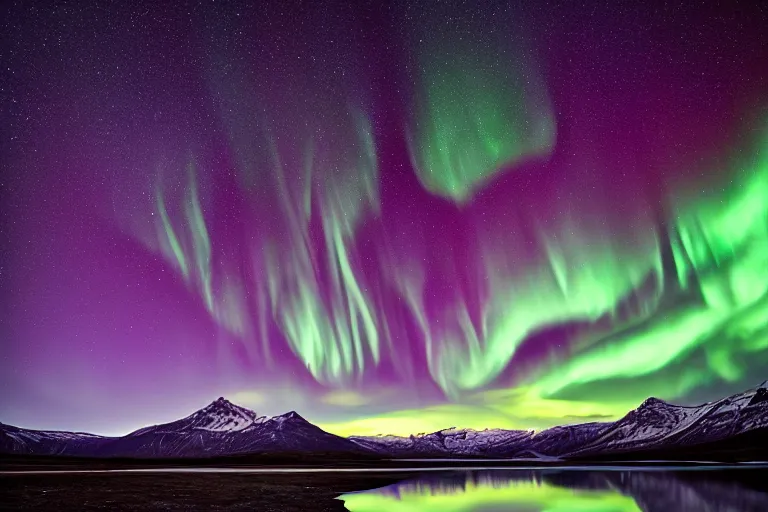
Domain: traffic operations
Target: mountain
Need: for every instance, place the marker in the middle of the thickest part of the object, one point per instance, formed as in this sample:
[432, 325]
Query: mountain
[734, 428]
[15, 440]
[451, 442]
[490, 443]
[223, 428]
[658, 425]
[655, 429]
[219, 429]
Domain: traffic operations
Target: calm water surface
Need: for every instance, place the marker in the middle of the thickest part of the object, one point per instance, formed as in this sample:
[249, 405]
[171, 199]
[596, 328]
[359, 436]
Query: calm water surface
[606, 490]
[596, 489]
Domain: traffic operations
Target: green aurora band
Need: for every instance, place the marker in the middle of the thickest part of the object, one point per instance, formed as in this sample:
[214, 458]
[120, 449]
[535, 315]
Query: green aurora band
[473, 115]
[189, 251]
[720, 248]
[332, 337]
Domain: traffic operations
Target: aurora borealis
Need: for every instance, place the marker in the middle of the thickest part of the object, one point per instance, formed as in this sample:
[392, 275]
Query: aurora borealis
[391, 217]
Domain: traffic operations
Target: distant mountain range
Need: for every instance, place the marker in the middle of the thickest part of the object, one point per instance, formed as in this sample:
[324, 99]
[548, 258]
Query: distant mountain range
[656, 428]
[734, 428]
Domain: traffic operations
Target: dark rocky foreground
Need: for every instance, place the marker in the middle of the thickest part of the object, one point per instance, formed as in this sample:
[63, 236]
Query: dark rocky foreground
[184, 491]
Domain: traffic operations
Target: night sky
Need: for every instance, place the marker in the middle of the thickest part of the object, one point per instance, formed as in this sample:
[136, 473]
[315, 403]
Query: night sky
[390, 217]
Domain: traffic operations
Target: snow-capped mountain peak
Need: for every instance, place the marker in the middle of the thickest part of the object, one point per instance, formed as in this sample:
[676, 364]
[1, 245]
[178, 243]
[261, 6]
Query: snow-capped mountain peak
[221, 404]
[291, 417]
[221, 416]
[654, 403]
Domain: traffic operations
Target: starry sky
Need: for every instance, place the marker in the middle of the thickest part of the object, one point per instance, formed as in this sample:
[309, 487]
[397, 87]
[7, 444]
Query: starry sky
[392, 217]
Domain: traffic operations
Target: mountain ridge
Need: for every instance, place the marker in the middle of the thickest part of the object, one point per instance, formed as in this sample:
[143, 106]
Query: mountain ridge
[222, 428]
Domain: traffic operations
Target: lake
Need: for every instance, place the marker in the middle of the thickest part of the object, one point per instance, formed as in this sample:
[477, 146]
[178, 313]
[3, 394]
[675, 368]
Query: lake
[713, 488]
[563, 490]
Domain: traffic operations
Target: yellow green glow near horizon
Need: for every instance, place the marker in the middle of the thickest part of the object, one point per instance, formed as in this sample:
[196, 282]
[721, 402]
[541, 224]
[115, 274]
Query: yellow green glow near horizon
[523, 411]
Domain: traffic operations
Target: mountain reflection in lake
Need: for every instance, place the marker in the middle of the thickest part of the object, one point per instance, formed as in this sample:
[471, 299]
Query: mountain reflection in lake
[712, 490]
